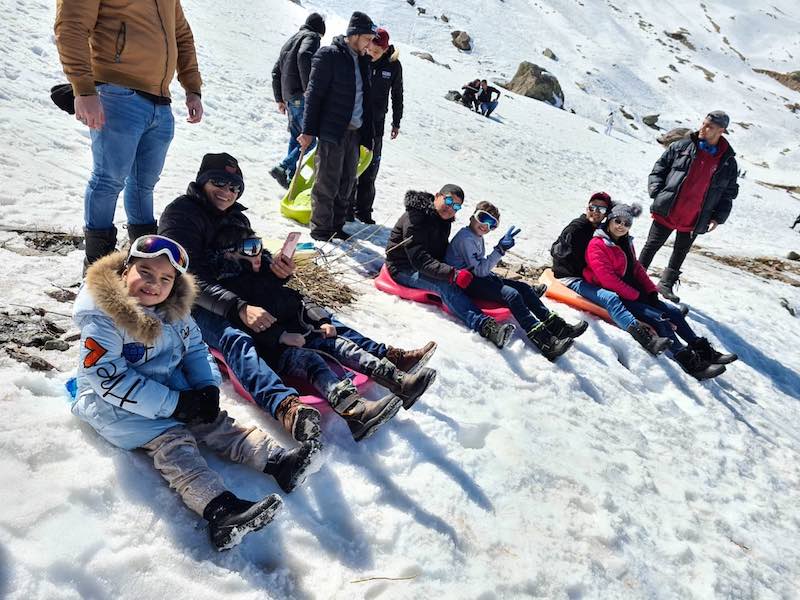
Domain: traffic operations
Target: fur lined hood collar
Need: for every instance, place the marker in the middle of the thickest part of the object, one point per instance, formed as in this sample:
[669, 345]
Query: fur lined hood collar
[420, 201]
[108, 291]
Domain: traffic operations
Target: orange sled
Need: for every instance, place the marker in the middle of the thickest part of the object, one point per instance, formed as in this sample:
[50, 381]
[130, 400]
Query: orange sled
[560, 293]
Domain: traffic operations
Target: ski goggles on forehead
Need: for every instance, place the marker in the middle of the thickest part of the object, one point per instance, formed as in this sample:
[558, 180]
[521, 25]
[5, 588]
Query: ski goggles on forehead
[598, 208]
[152, 246]
[484, 218]
[251, 246]
[452, 203]
[225, 183]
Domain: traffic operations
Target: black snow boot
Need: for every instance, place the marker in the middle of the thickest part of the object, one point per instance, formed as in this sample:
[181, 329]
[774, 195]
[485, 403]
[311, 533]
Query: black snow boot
[669, 278]
[137, 231]
[654, 344]
[363, 417]
[540, 289]
[706, 352]
[694, 366]
[230, 519]
[408, 386]
[291, 467]
[497, 333]
[560, 329]
[279, 174]
[99, 243]
[409, 360]
[551, 346]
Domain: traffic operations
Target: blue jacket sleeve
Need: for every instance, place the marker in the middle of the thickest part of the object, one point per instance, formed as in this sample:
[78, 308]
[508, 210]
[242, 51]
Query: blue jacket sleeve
[113, 380]
[198, 365]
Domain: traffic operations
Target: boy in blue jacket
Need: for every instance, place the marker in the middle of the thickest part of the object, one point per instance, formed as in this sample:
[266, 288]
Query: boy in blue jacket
[146, 380]
[545, 329]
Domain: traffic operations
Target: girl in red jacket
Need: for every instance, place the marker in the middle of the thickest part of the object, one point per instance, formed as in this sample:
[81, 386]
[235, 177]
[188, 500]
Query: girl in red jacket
[611, 263]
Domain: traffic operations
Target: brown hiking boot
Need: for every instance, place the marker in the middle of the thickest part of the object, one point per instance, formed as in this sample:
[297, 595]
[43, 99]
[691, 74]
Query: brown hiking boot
[407, 360]
[300, 420]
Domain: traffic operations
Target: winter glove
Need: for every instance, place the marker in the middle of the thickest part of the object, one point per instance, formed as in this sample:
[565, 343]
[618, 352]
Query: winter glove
[462, 278]
[197, 406]
[652, 299]
[507, 241]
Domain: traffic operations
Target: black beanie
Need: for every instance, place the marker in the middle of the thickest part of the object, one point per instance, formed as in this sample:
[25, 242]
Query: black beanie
[220, 166]
[315, 22]
[360, 24]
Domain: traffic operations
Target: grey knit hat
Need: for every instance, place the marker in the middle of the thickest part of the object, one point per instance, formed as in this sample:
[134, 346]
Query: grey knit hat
[625, 212]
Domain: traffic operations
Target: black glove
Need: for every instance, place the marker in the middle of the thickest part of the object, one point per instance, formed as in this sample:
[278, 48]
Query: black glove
[197, 406]
[652, 299]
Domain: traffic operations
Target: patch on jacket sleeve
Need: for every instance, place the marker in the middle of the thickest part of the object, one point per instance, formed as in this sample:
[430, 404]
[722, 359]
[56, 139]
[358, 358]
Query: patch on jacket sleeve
[133, 352]
[96, 352]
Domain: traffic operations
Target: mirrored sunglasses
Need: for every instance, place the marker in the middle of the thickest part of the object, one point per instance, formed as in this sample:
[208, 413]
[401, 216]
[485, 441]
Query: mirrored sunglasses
[449, 201]
[251, 246]
[598, 208]
[484, 218]
[226, 183]
[152, 246]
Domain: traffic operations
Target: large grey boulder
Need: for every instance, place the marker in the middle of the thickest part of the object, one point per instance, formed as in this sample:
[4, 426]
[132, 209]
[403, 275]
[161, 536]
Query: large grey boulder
[673, 135]
[533, 81]
[461, 40]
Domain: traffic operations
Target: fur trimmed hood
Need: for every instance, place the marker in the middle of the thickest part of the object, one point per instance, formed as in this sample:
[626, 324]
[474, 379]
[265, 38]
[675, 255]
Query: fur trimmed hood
[420, 201]
[104, 283]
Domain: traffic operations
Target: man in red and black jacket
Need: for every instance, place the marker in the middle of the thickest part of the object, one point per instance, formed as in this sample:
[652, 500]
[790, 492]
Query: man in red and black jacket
[692, 185]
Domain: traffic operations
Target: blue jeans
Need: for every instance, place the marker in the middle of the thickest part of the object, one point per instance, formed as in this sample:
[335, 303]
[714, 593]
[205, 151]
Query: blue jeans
[294, 110]
[360, 340]
[127, 152]
[662, 317]
[309, 363]
[607, 299]
[525, 305]
[487, 108]
[239, 351]
[453, 297]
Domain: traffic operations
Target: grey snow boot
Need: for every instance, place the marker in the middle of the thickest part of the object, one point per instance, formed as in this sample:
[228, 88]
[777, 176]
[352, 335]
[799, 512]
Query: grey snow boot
[408, 386]
[669, 278]
[497, 333]
[652, 343]
[230, 518]
[551, 346]
[695, 366]
[706, 352]
[561, 329]
[363, 416]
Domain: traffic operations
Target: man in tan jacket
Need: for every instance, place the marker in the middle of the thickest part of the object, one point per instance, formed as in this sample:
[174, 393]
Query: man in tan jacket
[120, 58]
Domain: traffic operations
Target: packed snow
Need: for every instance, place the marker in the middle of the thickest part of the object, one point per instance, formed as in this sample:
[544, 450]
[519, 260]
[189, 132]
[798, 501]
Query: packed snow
[609, 474]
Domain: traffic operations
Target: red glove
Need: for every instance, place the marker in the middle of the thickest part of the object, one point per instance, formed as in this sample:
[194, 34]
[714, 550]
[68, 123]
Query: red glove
[462, 278]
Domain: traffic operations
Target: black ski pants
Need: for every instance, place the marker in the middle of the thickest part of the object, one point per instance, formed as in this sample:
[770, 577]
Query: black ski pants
[335, 166]
[364, 191]
[655, 239]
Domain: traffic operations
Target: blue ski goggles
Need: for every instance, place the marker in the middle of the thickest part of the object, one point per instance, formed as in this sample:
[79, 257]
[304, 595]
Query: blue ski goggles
[152, 246]
[484, 218]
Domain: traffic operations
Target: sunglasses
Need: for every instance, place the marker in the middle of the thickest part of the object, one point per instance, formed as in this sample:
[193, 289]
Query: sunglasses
[623, 222]
[226, 183]
[251, 246]
[598, 209]
[456, 206]
[484, 218]
[152, 246]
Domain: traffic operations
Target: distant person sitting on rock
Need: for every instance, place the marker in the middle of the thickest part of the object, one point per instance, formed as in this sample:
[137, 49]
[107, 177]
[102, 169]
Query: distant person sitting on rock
[692, 185]
[545, 329]
[304, 334]
[470, 97]
[415, 257]
[611, 264]
[487, 103]
[146, 380]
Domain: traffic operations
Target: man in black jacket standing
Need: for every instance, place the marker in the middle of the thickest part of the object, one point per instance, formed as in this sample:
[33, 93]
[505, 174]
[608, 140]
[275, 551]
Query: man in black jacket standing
[387, 79]
[289, 82]
[338, 113]
[692, 185]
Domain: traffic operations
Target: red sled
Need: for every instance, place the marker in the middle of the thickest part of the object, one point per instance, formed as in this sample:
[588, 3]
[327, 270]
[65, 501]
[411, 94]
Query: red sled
[359, 380]
[385, 283]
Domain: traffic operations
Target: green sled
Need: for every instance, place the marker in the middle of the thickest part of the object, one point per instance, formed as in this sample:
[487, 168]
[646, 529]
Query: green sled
[296, 204]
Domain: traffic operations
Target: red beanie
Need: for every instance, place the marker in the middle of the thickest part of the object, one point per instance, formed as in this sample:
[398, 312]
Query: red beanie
[381, 39]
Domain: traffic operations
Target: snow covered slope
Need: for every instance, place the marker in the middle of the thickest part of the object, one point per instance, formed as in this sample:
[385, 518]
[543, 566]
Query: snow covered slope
[610, 474]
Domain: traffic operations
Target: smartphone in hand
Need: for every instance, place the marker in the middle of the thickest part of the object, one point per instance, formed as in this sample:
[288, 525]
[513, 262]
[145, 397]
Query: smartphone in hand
[290, 245]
